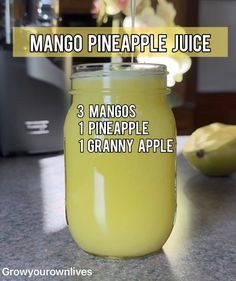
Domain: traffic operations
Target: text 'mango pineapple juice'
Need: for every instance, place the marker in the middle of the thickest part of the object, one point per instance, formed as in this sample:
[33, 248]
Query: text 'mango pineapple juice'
[120, 204]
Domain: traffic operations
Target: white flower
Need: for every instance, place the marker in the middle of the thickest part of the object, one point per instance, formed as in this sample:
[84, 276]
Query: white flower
[140, 6]
[147, 17]
[176, 66]
[163, 16]
[166, 11]
[114, 7]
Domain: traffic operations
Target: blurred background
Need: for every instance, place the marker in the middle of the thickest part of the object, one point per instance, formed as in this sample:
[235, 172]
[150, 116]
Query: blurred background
[33, 91]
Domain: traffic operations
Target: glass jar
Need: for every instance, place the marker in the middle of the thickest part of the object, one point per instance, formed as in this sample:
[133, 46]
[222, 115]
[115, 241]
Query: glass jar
[120, 203]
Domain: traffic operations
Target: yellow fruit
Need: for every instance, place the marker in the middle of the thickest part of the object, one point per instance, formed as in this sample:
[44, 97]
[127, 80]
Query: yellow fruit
[212, 149]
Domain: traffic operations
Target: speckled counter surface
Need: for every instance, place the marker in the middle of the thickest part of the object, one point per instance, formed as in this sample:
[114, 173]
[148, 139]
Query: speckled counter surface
[202, 246]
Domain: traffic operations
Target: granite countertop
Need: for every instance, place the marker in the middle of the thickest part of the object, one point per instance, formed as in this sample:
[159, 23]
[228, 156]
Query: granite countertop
[33, 233]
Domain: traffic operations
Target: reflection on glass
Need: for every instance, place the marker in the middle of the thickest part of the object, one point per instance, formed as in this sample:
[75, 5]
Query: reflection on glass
[99, 199]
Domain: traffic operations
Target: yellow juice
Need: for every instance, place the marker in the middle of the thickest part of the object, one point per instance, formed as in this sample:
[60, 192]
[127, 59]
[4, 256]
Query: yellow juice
[120, 204]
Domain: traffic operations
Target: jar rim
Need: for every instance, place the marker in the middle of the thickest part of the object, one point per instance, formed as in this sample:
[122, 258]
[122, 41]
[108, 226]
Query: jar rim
[107, 69]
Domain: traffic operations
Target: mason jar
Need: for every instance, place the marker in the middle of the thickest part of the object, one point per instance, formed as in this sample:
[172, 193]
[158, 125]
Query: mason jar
[120, 198]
